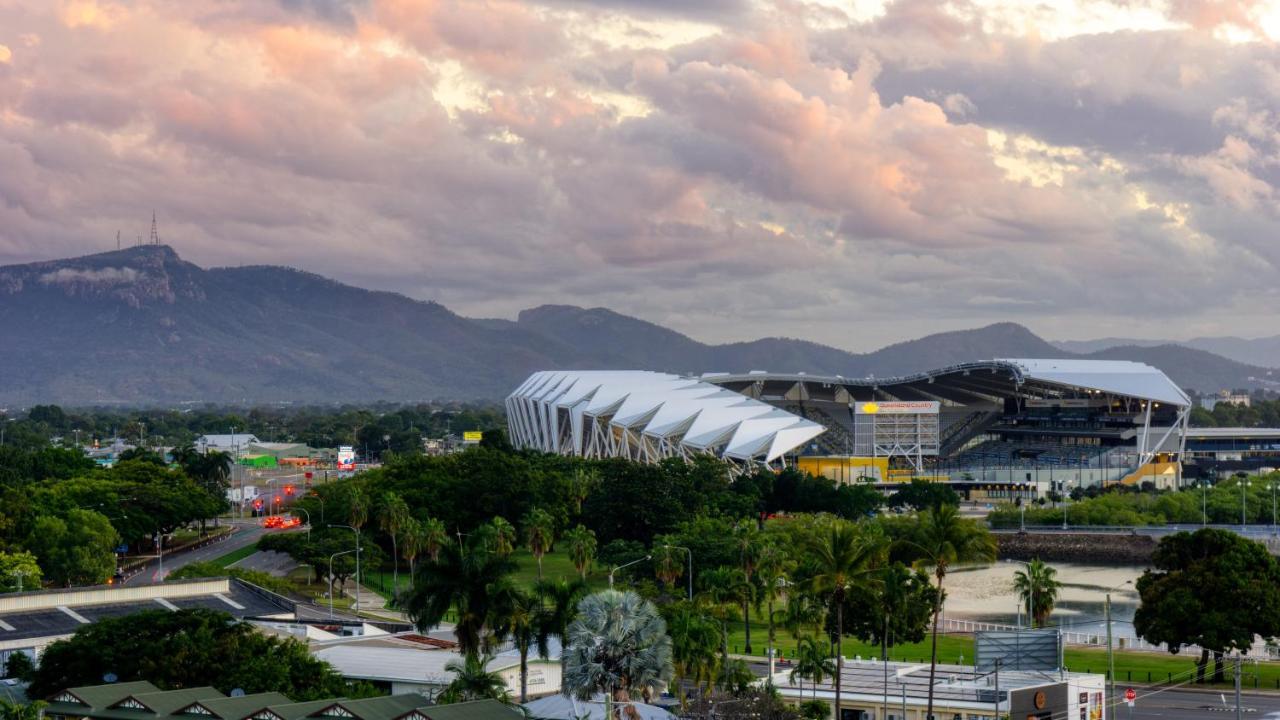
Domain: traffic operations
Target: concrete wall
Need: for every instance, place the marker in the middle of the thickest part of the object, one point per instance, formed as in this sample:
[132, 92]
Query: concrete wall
[103, 594]
[1110, 548]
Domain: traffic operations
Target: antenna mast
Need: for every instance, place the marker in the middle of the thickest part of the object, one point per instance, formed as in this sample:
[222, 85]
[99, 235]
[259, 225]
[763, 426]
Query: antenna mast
[155, 236]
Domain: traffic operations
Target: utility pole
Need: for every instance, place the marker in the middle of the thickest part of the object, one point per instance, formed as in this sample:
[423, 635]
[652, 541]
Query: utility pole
[1239, 667]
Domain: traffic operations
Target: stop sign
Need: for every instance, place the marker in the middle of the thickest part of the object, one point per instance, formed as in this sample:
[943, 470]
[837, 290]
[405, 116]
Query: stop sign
[1130, 695]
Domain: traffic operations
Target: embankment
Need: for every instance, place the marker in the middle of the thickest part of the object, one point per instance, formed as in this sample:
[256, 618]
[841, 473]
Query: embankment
[1107, 549]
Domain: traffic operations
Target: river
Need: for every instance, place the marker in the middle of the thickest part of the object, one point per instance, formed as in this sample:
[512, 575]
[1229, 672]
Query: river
[985, 594]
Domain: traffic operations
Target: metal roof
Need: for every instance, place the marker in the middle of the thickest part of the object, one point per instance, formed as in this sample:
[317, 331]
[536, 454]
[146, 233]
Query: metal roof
[998, 377]
[667, 415]
[560, 707]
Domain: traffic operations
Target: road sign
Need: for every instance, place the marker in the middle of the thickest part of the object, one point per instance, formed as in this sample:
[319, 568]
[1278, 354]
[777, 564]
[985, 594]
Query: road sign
[1130, 696]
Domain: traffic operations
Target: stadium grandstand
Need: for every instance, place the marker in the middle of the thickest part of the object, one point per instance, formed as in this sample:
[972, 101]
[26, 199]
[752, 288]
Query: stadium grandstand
[998, 428]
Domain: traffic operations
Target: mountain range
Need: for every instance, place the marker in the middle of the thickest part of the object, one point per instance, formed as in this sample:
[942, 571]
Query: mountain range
[141, 326]
[1264, 351]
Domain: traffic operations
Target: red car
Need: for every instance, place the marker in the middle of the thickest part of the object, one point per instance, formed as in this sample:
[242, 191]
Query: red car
[273, 521]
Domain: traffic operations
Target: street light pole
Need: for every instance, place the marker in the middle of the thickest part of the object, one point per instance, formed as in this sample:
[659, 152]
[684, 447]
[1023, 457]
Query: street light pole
[331, 557]
[1111, 664]
[357, 532]
[1243, 502]
[690, 554]
[633, 562]
[297, 509]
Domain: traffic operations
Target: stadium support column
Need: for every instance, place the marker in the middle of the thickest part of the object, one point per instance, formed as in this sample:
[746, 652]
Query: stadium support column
[1182, 442]
[1146, 431]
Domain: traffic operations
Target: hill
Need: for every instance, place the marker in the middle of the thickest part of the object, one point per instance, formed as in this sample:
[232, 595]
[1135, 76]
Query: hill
[143, 326]
[1264, 351]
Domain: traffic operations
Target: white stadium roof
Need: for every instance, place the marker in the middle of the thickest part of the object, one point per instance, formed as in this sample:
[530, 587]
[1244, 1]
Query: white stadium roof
[648, 416]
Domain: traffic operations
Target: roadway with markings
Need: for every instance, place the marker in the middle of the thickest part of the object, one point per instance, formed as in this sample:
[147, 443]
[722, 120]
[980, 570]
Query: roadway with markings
[1197, 704]
[246, 533]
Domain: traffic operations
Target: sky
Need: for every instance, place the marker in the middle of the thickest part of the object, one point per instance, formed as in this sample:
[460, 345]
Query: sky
[853, 173]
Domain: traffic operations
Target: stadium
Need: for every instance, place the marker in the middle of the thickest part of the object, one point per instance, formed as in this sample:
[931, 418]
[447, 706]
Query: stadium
[998, 428]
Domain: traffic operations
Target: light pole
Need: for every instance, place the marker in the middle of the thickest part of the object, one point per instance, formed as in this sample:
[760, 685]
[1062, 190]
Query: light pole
[1243, 502]
[357, 551]
[1065, 495]
[690, 554]
[624, 565]
[1204, 503]
[160, 554]
[1272, 487]
[297, 509]
[331, 557]
[1111, 664]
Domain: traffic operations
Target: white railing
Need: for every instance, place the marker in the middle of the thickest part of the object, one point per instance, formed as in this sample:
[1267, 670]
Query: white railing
[1258, 651]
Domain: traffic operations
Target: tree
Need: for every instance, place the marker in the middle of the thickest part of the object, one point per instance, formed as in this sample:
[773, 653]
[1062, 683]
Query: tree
[19, 571]
[10, 710]
[525, 621]
[724, 591]
[503, 536]
[618, 645]
[187, 648]
[582, 548]
[695, 647]
[472, 680]
[943, 539]
[1210, 588]
[79, 550]
[540, 533]
[19, 666]
[1037, 586]
[842, 555]
[434, 536]
[812, 662]
[921, 495]
[560, 599]
[746, 538]
[393, 516]
[772, 567]
[668, 562]
[475, 581]
[897, 610]
[412, 542]
[357, 506]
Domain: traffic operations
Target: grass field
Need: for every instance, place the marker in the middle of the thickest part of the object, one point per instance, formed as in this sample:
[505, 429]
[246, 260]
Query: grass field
[555, 566]
[235, 556]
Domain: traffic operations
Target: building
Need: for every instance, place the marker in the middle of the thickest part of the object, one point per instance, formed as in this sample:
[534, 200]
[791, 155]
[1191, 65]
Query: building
[994, 429]
[1242, 399]
[872, 690]
[30, 621]
[143, 701]
[236, 445]
[649, 416]
[408, 662]
[560, 707]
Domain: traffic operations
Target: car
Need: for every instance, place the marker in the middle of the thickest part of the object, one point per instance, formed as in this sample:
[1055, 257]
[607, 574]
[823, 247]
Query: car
[273, 521]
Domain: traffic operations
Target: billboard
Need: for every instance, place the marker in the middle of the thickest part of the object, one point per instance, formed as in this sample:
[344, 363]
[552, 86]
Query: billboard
[897, 407]
[346, 458]
[472, 436]
[1037, 650]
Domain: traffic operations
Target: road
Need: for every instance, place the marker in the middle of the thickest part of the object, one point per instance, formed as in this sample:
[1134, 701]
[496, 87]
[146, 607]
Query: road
[247, 533]
[1197, 705]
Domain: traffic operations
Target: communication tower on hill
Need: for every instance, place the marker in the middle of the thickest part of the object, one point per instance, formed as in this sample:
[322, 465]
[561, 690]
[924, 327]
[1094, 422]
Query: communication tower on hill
[155, 236]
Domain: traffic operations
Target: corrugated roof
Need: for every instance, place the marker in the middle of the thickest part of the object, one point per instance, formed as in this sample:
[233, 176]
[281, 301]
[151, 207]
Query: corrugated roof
[238, 708]
[559, 707]
[474, 710]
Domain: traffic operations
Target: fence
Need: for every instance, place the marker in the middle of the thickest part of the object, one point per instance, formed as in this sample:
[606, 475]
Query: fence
[1258, 651]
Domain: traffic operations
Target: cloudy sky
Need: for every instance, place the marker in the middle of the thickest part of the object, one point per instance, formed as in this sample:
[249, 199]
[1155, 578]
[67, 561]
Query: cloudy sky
[853, 172]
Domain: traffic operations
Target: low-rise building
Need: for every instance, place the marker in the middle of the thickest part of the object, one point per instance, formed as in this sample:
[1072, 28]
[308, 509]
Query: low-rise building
[143, 701]
[236, 445]
[872, 690]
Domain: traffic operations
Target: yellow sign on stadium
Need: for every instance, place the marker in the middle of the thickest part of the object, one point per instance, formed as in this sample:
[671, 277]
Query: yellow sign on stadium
[870, 408]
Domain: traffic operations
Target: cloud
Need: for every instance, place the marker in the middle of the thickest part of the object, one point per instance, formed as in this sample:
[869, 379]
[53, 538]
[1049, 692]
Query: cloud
[693, 163]
[6, 55]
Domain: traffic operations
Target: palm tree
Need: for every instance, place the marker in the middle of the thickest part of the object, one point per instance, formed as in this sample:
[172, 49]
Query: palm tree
[504, 536]
[582, 548]
[10, 710]
[412, 542]
[668, 562]
[524, 620]
[724, 589]
[811, 662]
[540, 533]
[695, 646]
[357, 507]
[475, 582]
[842, 555]
[945, 539]
[560, 599]
[747, 540]
[393, 515]
[618, 645]
[771, 568]
[473, 681]
[1038, 588]
[581, 485]
[434, 536]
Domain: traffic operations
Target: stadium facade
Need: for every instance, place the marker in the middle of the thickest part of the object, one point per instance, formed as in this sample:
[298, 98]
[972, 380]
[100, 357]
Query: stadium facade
[1008, 426]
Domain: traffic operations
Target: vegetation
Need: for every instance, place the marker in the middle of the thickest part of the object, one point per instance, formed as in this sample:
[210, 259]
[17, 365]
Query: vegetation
[617, 646]
[1217, 501]
[1037, 586]
[214, 569]
[1210, 588]
[472, 680]
[214, 650]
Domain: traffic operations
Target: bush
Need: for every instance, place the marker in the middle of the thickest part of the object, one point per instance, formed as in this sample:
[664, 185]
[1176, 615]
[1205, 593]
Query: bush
[815, 710]
[255, 577]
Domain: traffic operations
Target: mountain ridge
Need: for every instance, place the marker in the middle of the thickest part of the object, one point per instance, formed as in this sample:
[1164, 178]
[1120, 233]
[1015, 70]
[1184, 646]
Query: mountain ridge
[142, 326]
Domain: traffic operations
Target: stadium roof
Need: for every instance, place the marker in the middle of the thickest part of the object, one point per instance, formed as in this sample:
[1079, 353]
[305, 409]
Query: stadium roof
[977, 381]
[648, 416]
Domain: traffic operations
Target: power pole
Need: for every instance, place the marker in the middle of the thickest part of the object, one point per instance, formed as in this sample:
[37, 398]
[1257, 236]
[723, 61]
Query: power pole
[1239, 667]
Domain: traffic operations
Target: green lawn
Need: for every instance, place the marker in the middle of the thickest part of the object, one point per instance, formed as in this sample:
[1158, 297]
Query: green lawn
[1131, 667]
[235, 556]
[555, 566]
